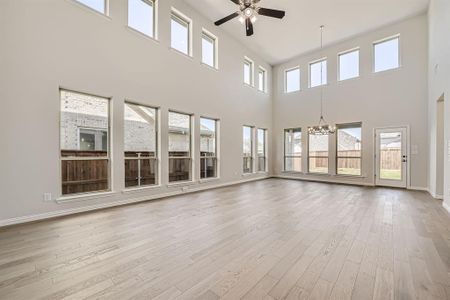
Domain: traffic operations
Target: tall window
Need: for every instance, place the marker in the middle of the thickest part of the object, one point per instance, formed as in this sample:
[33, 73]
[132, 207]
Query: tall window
[84, 143]
[209, 49]
[208, 148]
[318, 73]
[349, 64]
[247, 149]
[180, 33]
[293, 150]
[349, 149]
[386, 54]
[97, 5]
[261, 149]
[141, 16]
[262, 79]
[318, 153]
[292, 80]
[180, 159]
[248, 71]
[140, 145]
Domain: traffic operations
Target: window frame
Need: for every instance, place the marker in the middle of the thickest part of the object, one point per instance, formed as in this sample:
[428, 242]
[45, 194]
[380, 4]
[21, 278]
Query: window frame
[344, 126]
[154, 5]
[251, 64]
[387, 39]
[262, 71]
[216, 150]
[264, 130]
[191, 148]
[105, 11]
[108, 157]
[320, 60]
[182, 19]
[286, 79]
[327, 157]
[292, 156]
[252, 150]
[356, 49]
[157, 148]
[206, 34]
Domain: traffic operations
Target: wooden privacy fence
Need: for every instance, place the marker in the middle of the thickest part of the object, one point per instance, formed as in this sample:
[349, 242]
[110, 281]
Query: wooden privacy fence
[391, 159]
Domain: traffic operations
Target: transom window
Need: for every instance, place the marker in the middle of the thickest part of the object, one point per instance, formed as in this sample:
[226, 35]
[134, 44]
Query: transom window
[349, 65]
[140, 145]
[84, 143]
[248, 71]
[293, 150]
[262, 79]
[97, 5]
[292, 80]
[318, 153]
[386, 54]
[209, 49]
[141, 16]
[180, 32]
[208, 148]
[180, 159]
[261, 149]
[349, 149]
[318, 73]
[247, 149]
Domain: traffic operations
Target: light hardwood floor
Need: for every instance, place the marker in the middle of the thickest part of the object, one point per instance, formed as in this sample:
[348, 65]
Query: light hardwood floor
[271, 239]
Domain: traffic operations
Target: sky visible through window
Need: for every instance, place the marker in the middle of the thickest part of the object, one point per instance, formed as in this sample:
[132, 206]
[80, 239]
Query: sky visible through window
[247, 135]
[387, 55]
[292, 80]
[179, 35]
[247, 71]
[315, 70]
[140, 16]
[261, 80]
[208, 50]
[98, 5]
[349, 65]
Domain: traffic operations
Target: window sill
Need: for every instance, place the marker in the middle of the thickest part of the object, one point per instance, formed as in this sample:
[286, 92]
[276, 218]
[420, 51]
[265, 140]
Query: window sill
[343, 81]
[141, 34]
[293, 172]
[212, 68]
[181, 183]
[140, 189]
[248, 174]
[84, 197]
[206, 180]
[292, 92]
[386, 71]
[188, 56]
[90, 9]
[249, 85]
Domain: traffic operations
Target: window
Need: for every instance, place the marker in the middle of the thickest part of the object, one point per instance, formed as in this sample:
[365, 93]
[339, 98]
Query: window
[97, 5]
[208, 148]
[141, 16]
[84, 143]
[349, 65]
[209, 49]
[140, 145]
[318, 153]
[248, 71]
[261, 150]
[318, 73]
[180, 160]
[248, 149]
[386, 54]
[349, 149]
[180, 33]
[292, 80]
[262, 79]
[293, 150]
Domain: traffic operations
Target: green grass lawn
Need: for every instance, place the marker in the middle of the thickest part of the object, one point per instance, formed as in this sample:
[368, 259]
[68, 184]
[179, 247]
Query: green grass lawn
[391, 174]
[348, 171]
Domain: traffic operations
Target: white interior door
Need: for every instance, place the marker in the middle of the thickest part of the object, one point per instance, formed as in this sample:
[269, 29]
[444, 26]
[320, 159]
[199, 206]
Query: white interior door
[391, 157]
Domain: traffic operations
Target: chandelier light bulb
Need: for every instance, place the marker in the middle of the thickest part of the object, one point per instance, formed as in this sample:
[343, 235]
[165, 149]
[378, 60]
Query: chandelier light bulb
[248, 12]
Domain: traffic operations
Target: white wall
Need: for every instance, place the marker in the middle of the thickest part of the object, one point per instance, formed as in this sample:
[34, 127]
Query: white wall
[48, 44]
[439, 84]
[392, 98]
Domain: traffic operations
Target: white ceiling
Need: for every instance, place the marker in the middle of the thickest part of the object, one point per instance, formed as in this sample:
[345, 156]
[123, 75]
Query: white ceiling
[279, 40]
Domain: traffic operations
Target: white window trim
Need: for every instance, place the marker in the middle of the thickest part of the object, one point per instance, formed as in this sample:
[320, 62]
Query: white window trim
[284, 151]
[266, 157]
[309, 72]
[217, 150]
[215, 41]
[154, 4]
[285, 79]
[252, 149]
[106, 8]
[264, 71]
[339, 63]
[249, 61]
[348, 125]
[182, 18]
[386, 39]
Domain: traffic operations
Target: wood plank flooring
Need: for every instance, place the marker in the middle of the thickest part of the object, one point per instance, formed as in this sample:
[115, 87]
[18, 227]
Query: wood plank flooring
[270, 239]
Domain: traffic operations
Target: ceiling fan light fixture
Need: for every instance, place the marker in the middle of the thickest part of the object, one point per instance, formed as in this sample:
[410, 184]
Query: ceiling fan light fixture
[253, 19]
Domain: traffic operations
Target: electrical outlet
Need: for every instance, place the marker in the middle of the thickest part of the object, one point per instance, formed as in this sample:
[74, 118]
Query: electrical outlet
[47, 197]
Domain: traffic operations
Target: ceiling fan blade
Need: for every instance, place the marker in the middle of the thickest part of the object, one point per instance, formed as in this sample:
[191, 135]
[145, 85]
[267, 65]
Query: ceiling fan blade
[271, 13]
[235, 2]
[249, 27]
[226, 19]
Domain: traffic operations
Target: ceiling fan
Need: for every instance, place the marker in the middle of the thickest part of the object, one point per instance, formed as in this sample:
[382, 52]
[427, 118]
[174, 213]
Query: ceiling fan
[248, 10]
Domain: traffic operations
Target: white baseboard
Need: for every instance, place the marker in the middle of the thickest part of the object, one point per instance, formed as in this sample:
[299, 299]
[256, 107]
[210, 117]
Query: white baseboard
[419, 188]
[446, 206]
[66, 212]
[327, 180]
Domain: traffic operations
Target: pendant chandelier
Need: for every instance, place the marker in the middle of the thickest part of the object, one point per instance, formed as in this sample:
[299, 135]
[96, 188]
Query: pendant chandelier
[322, 128]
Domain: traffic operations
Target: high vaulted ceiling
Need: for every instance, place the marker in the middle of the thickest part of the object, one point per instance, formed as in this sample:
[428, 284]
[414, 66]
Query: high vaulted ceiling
[279, 40]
